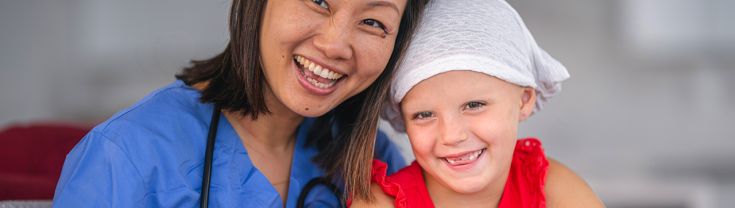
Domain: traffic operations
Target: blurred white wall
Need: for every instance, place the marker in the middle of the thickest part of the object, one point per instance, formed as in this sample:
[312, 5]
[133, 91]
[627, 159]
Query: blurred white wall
[85, 59]
[646, 118]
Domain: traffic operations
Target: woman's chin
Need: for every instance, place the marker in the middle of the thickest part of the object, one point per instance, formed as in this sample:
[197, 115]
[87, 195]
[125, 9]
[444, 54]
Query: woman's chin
[309, 110]
[310, 113]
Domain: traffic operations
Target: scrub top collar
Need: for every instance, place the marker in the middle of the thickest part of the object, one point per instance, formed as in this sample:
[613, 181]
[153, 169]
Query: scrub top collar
[254, 183]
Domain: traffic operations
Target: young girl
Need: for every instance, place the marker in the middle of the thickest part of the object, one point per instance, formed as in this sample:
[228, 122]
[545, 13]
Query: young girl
[471, 75]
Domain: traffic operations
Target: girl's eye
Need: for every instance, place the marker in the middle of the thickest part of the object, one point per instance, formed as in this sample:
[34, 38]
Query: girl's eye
[423, 115]
[374, 23]
[474, 105]
[321, 3]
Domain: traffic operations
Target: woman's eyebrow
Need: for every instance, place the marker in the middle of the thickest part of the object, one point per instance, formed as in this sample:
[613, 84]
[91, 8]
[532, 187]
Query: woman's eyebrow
[374, 4]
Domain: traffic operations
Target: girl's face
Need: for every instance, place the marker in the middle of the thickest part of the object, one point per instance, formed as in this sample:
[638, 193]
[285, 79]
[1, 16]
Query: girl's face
[463, 126]
[317, 53]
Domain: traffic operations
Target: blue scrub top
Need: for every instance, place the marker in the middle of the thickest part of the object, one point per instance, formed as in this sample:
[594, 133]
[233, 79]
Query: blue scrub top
[152, 155]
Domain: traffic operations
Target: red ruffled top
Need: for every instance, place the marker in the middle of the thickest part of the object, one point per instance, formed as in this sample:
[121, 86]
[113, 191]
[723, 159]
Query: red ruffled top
[524, 187]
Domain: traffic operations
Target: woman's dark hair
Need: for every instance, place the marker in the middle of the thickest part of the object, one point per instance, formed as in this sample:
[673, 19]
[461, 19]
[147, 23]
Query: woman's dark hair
[234, 81]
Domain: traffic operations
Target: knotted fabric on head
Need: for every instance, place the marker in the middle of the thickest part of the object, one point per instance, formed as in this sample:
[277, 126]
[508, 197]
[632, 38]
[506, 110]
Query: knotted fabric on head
[486, 36]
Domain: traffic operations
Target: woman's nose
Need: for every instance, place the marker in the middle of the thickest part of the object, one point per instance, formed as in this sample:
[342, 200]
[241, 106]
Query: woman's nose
[334, 39]
[454, 131]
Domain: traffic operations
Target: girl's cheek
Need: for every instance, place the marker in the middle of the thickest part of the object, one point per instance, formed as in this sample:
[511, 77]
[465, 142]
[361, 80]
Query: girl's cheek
[422, 143]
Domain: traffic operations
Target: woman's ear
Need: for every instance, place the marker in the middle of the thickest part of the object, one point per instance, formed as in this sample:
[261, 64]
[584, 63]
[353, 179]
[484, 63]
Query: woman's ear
[528, 103]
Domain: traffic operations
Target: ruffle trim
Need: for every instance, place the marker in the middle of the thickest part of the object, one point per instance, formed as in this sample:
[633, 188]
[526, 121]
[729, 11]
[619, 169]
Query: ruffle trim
[379, 176]
[534, 165]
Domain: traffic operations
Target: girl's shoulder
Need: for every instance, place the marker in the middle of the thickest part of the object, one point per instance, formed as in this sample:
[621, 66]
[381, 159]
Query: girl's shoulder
[524, 186]
[538, 181]
[404, 188]
[529, 154]
[564, 188]
[547, 180]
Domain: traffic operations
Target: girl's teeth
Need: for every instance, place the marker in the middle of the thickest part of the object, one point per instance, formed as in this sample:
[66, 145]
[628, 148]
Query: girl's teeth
[467, 157]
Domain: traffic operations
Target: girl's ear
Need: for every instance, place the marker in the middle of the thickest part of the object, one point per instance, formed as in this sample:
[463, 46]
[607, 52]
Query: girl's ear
[528, 103]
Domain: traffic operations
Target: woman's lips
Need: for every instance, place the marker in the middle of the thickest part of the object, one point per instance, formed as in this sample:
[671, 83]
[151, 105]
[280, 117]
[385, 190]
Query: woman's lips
[322, 84]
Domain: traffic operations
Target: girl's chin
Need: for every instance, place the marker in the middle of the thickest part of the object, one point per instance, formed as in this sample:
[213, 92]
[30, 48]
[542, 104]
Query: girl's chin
[467, 186]
[470, 184]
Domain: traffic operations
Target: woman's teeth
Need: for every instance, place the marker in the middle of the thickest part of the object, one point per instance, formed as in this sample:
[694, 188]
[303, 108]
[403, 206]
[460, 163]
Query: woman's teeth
[319, 84]
[317, 69]
[465, 159]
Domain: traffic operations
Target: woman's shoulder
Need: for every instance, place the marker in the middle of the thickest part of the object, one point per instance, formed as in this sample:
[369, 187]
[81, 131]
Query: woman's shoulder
[564, 188]
[161, 122]
[168, 106]
[163, 126]
[174, 99]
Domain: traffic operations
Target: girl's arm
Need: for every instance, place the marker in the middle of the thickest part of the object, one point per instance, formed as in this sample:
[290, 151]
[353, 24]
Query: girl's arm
[564, 188]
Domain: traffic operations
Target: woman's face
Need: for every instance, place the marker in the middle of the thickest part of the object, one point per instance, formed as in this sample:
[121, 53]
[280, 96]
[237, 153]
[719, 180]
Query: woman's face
[316, 54]
[462, 126]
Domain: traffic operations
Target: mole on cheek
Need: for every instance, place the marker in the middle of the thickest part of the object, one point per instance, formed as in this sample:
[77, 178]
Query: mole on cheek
[307, 109]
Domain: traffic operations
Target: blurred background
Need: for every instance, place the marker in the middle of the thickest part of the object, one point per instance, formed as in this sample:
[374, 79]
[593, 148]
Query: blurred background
[646, 117]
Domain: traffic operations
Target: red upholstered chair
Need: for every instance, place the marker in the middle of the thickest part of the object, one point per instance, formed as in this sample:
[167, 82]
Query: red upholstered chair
[31, 157]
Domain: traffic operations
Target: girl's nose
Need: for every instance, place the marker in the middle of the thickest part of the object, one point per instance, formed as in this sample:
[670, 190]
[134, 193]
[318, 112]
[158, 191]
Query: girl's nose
[454, 131]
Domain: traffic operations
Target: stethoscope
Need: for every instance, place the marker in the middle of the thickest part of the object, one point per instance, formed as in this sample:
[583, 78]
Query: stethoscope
[207, 176]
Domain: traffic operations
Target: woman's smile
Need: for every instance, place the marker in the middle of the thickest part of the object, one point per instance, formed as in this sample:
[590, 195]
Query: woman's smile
[316, 78]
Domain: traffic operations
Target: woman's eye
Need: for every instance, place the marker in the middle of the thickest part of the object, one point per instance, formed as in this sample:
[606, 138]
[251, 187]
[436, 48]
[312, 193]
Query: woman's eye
[374, 23]
[474, 105]
[423, 115]
[321, 3]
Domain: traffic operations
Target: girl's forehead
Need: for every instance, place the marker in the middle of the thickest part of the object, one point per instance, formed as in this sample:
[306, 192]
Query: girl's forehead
[458, 84]
[453, 81]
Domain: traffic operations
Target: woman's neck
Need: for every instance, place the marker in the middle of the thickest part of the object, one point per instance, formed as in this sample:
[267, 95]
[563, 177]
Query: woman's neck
[269, 140]
[273, 131]
[443, 196]
[268, 132]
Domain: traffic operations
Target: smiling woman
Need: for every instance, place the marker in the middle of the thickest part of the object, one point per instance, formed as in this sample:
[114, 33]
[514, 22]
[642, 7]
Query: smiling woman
[330, 38]
[297, 86]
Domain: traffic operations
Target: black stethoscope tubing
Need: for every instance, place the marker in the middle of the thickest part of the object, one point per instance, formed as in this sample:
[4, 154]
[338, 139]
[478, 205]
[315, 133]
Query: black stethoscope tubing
[209, 156]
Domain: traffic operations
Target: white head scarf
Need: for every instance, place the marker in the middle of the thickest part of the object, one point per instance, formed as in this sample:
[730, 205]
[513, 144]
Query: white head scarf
[486, 36]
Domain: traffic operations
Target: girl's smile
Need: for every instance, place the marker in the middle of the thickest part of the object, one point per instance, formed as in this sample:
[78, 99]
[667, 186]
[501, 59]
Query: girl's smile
[464, 161]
